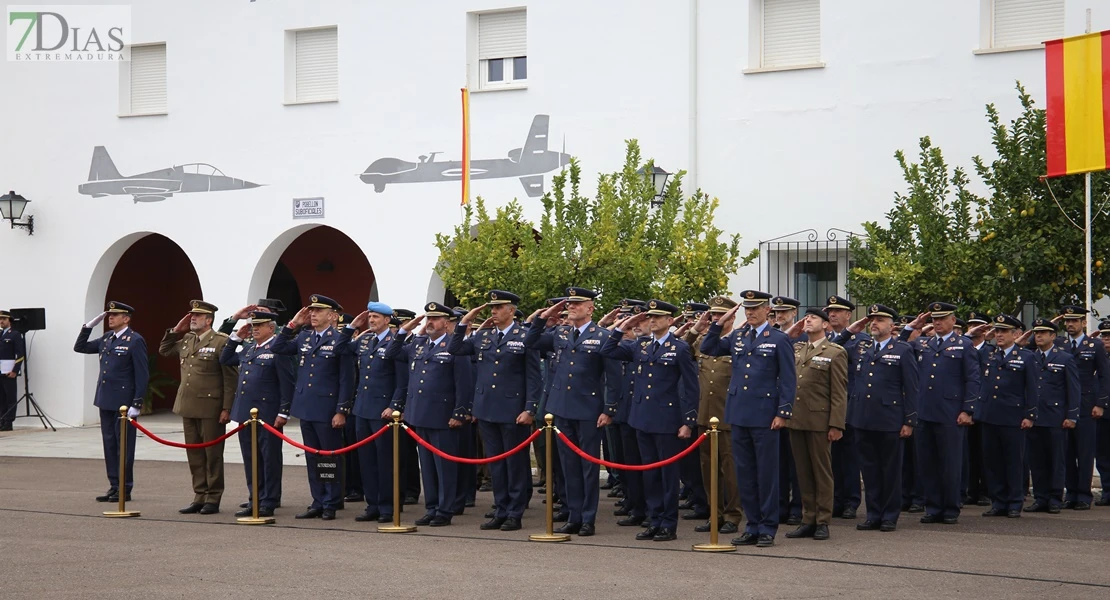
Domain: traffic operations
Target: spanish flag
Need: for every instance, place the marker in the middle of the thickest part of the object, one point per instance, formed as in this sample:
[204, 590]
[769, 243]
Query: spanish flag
[1077, 71]
[465, 146]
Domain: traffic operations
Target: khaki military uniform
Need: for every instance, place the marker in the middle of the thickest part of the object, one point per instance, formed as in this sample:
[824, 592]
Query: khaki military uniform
[714, 373]
[206, 389]
[820, 404]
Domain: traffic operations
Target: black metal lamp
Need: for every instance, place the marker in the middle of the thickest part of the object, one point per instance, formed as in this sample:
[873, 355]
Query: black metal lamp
[658, 181]
[12, 206]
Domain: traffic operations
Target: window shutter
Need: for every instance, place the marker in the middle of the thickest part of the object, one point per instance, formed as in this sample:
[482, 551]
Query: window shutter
[317, 64]
[791, 32]
[148, 79]
[502, 34]
[1027, 22]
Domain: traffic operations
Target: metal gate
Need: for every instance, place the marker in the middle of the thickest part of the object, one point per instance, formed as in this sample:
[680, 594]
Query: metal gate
[803, 266]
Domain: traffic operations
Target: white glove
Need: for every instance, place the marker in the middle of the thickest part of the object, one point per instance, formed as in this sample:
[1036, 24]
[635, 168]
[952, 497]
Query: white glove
[132, 412]
[96, 320]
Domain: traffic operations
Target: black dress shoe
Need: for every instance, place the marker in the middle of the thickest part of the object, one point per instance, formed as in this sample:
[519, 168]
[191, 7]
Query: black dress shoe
[440, 521]
[1082, 506]
[1070, 504]
[209, 508]
[849, 513]
[647, 534]
[192, 508]
[328, 514]
[246, 512]
[793, 520]
[587, 530]
[569, 528]
[888, 526]
[995, 512]
[425, 520]
[1053, 509]
[915, 508]
[696, 516]
[409, 500]
[460, 511]
[745, 539]
[631, 521]
[868, 525]
[821, 533]
[983, 501]
[491, 514]
[665, 534]
[246, 504]
[561, 516]
[930, 519]
[385, 519]
[803, 531]
[485, 487]
[1013, 514]
[1102, 502]
[467, 504]
[493, 523]
[621, 512]
[728, 528]
[765, 541]
[511, 524]
[265, 511]
[606, 486]
[1036, 507]
[368, 515]
[107, 497]
[687, 505]
[950, 520]
[311, 513]
[353, 497]
[702, 528]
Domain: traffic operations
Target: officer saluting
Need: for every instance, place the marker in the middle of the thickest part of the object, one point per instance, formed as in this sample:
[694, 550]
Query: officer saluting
[883, 411]
[1058, 412]
[949, 390]
[322, 409]
[1007, 407]
[760, 401]
[504, 406]
[123, 379]
[265, 382]
[664, 408]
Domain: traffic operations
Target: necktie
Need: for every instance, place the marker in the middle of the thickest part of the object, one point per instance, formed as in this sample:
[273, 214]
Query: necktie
[576, 332]
[374, 343]
[1074, 344]
[655, 346]
[501, 336]
[1044, 358]
[316, 339]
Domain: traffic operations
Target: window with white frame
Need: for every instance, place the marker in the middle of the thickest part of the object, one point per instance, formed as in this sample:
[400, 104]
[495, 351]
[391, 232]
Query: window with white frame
[143, 81]
[312, 65]
[1018, 24]
[785, 34]
[502, 49]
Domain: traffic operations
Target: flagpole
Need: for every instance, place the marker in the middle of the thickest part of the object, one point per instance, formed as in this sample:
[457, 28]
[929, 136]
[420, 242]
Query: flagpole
[1087, 244]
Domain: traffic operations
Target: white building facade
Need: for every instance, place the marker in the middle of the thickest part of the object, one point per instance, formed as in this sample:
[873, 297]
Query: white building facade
[193, 155]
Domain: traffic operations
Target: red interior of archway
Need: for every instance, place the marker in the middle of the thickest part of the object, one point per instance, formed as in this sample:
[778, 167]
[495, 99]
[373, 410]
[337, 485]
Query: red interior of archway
[156, 277]
[323, 260]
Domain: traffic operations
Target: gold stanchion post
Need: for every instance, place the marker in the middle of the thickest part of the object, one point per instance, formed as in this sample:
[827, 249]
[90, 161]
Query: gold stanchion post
[714, 492]
[396, 527]
[124, 423]
[254, 519]
[549, 477]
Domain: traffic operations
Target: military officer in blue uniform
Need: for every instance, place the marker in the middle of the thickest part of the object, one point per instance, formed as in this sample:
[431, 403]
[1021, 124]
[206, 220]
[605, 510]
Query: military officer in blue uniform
[947, 397]
[1007, 407]
[12, 354]
[410, 461]
[689, 468]
[1094, 378]
[845, 455]
[583, 397]
[322, 395]
[266, 383]
[760, 401]
[1058, 393]
[664, 409]
[973, 484]
[784, 311]
[633, 506]
[379, 390]
[440, 397]
[504, 407]
[883, 410]
[124, 373]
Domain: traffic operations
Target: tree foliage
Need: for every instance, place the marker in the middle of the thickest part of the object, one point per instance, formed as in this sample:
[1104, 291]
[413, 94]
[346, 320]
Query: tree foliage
[1024, 244]
[617, 242]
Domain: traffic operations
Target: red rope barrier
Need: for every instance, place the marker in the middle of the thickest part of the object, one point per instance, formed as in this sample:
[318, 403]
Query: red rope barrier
[473, 461]
[654, 465]
[295, 443]
[150, 435]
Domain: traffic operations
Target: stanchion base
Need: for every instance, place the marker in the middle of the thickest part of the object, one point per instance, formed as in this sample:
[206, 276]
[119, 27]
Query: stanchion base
[121, 514]
[549, 537]
[714, 547]
[397, 528]
[256, 521]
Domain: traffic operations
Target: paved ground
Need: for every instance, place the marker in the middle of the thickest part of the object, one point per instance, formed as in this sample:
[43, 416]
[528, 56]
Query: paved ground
[56, 544]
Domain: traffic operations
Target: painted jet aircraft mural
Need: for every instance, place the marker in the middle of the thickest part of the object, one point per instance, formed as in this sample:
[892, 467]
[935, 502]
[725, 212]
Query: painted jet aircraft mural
[528, 163]
[105, 180]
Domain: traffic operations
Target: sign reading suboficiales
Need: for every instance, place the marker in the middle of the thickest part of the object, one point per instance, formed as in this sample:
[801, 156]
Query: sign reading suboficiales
[46, 33]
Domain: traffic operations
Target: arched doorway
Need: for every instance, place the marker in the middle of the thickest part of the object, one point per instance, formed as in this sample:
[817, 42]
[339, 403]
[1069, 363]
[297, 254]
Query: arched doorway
[314, 259]
[156, 277]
